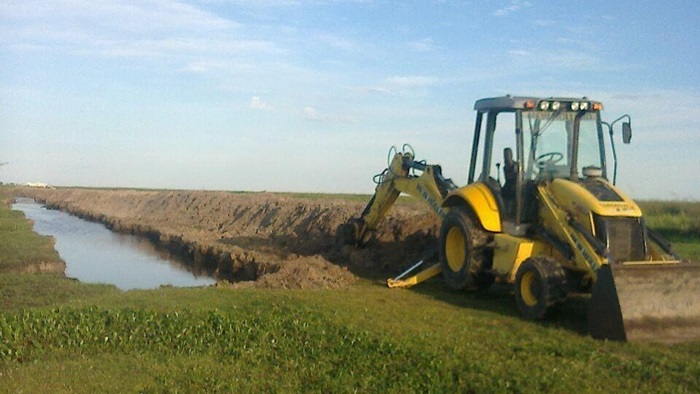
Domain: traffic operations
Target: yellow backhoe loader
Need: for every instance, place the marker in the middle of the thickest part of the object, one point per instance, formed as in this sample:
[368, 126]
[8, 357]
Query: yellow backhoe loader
[554, 224]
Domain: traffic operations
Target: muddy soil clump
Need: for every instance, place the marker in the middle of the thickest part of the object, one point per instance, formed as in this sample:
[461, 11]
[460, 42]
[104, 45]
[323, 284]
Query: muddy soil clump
[255, 239]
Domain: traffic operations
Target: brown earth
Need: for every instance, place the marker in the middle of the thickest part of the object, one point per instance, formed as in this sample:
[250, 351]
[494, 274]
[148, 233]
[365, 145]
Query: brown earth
[255, 239]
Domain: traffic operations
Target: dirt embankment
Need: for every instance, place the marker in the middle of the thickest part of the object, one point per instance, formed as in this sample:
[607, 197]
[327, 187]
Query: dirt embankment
[254, 239]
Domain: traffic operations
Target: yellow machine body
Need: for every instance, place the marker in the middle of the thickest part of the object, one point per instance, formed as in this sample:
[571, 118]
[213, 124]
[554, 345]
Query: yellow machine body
[510, 251]
[481, 200]
[552, 228]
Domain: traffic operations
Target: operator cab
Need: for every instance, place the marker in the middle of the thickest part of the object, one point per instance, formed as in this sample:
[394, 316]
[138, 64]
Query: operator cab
[539, 140]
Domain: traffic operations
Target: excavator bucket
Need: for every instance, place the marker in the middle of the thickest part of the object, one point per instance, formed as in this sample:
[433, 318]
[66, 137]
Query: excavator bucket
[646, 302]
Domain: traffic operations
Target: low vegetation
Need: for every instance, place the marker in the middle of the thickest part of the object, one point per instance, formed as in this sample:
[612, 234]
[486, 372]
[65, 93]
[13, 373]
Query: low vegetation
[60, 335]
[363, 339]
[21, 249]
[677, 221]
[674, 219]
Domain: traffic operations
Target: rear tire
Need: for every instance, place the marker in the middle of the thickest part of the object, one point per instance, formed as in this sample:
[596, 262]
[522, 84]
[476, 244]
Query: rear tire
[463, 253]
[540, 287]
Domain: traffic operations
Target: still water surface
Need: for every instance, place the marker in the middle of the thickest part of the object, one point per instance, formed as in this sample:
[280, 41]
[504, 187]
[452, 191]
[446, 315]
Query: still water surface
[94, 254]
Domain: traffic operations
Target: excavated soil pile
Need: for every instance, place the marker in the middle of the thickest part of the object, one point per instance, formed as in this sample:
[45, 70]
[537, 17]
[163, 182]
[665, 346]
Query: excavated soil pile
[254, 239]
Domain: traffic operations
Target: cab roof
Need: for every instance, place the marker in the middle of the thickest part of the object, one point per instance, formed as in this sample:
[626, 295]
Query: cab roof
[512, 103]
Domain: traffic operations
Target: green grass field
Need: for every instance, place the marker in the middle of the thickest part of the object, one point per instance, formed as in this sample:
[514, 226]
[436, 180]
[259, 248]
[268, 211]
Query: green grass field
[59, 335]
[19, 245]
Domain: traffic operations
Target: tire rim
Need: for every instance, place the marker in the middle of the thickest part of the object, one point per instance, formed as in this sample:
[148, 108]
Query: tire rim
[454, 249]
[529, 289]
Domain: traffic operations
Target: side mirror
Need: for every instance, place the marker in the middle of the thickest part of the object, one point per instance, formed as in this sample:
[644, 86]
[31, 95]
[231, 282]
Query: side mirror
[626, 132]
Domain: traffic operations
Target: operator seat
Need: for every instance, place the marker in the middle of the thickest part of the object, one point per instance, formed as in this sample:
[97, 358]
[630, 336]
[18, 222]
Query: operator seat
[510, 173]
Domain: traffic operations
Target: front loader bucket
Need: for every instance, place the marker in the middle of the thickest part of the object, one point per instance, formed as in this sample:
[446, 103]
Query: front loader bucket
[646, 302]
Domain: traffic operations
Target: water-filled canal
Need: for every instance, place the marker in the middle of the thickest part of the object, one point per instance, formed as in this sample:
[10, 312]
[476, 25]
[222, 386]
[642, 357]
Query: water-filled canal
[94, 254]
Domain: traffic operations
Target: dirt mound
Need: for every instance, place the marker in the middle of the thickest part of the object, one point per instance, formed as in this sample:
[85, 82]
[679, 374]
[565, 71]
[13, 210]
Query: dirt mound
[254, 239]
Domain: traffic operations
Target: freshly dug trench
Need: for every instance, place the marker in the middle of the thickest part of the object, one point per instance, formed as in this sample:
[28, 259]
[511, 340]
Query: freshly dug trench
[254, 239]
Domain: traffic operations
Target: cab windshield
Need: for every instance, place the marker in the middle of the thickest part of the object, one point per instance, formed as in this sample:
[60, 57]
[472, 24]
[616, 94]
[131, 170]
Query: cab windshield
[549, 143]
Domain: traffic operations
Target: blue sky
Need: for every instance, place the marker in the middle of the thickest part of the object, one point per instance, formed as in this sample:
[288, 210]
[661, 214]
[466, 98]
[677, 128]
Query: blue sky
[284, 95]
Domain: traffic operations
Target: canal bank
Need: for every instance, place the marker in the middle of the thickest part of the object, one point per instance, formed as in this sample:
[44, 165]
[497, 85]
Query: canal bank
[259, 240]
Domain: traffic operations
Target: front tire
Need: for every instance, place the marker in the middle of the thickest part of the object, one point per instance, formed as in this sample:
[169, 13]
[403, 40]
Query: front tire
[540, 287]
[463, 254]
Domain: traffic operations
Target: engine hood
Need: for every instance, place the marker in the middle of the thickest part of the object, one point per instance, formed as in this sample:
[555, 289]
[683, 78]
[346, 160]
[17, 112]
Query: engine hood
[594, 195]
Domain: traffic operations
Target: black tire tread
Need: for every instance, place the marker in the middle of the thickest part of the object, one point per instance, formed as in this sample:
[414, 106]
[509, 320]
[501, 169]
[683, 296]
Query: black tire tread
[477, 276]
[554, 290]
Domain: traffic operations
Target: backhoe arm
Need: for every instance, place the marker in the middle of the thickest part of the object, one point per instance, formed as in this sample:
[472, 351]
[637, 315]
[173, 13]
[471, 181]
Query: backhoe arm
[430, 187]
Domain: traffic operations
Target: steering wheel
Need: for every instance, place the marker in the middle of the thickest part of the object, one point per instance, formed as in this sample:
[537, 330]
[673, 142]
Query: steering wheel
[552, 157]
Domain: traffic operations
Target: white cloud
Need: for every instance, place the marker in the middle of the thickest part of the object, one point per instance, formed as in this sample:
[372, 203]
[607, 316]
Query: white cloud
[371, 89]
[410, 81]
[515, 5]
[399, 85]
[120, 15]
[555, 59]
[124, 29]
[204, 66]
[311, 113]
[181, 46]
[663, 116]
[283, 3]
[664, 124]
[424, 45]
[336, 42]
[257, 104]
[518, 52]
[545, 22]
[572, 60]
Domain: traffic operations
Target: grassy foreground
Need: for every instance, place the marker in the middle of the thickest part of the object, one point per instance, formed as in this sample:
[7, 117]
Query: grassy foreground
[20, 247]
[58, 335]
